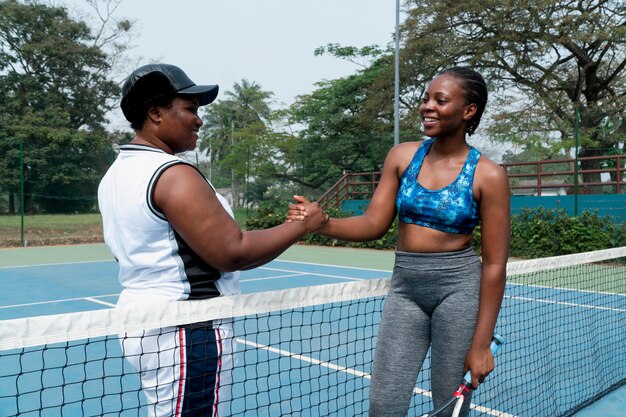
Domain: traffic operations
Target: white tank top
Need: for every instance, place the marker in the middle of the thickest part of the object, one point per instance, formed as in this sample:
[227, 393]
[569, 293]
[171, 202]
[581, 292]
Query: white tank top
[155, 264]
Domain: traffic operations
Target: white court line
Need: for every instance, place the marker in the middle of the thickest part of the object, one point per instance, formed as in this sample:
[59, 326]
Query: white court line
[333, 266]
[354, 372]
[62, 301]
[271, 277]
[94, 300]
[565, 289]
[564, 303]
[275, 260]
[321, 275]
[304, 358]
[56, 264]
[512, 267]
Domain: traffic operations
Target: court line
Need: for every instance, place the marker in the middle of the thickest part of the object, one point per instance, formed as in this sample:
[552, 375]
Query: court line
[508, 283]
[333, 266]
[89, 298]
[318, 275]
[547, 287]
[55, 264]
[275, 260]
[338, 266]
[94, 300]
[354, 372]
[355, 268]
[564, 303]
[271, 277]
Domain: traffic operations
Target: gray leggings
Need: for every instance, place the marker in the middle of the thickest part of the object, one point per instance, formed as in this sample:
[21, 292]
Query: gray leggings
[433, 300]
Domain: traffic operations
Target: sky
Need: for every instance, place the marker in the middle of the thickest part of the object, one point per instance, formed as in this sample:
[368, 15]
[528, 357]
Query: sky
[269, 42]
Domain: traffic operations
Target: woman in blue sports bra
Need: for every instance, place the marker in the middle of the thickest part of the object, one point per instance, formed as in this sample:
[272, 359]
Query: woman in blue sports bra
[442, 295]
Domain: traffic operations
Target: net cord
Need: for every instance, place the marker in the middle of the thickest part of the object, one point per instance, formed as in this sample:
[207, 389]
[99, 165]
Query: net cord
[58, 328]
[562, 261]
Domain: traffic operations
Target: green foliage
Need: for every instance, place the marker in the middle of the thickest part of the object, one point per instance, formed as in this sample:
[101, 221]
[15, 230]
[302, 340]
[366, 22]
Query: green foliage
[531, 232]
[360, 56]
[540, 232]
[241, 214]
[266, 216]
[315, 239]
[54, 95]
[238, 139]
[388, 241]
[477, 235]
[271, 211]
[49, 66]
[542, 60]
[343, 129]
[535, 233]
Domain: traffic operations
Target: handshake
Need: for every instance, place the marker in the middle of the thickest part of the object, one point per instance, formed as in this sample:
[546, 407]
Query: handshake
[305, 210]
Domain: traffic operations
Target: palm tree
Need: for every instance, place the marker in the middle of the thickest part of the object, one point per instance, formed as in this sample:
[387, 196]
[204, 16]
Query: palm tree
[232, 129]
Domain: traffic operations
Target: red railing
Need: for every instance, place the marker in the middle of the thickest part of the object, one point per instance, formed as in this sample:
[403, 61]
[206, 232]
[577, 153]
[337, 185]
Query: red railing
[525, 178]
[559, 175]
[351, 186]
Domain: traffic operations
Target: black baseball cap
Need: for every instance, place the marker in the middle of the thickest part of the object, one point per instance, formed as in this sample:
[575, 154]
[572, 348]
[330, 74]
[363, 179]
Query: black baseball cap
[153, 80]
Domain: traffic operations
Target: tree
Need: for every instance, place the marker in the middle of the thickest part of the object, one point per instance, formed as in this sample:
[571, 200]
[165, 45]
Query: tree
[545, 59]
[54, 95]
[236, 135]
[344, 128]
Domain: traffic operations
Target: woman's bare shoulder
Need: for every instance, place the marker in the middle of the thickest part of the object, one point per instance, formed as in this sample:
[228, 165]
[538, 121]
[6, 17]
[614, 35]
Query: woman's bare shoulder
[404, 150]
[491, 176]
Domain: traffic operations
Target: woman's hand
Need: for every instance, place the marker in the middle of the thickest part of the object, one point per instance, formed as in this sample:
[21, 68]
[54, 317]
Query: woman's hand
[298, 211]
[314, 217]
[479, 361]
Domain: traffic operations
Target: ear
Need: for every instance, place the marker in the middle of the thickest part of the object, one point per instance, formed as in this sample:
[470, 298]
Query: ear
[154, 114]
[470, 111]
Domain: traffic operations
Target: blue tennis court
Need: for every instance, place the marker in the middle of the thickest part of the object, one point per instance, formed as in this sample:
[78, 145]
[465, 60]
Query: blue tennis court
[58, 288]
[70, 287]
[66, 287]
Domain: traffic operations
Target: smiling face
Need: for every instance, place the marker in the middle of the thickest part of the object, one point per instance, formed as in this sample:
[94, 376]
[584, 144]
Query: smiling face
[444, 109]
[180, 123]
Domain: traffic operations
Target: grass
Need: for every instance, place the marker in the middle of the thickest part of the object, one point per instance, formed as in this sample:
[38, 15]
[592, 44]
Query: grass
[241, 214]
[62, 229]
[50, 229]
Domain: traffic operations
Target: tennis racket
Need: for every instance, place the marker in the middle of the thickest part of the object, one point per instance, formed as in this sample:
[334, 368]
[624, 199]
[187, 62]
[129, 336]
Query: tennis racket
[466, 386]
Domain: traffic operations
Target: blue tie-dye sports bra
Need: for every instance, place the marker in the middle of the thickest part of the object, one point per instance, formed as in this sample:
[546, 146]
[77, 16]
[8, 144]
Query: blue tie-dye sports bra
[450, 209]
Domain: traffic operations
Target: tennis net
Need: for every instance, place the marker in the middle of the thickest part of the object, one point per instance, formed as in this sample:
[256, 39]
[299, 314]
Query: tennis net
[308, 351]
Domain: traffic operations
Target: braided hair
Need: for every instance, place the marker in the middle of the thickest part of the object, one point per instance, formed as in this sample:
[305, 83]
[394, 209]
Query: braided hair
[475, 92]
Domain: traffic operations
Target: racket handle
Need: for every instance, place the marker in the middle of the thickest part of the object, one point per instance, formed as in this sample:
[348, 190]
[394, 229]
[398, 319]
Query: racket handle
[496, 342]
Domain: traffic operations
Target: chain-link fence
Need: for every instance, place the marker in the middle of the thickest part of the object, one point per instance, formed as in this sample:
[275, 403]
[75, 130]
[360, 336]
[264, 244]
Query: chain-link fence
[41, 186]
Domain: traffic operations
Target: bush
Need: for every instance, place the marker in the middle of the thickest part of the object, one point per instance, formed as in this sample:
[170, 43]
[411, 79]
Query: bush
[388, 241]
[532, 233]
[271, 211]
[535, 233]
[267, 215]
[540, 232]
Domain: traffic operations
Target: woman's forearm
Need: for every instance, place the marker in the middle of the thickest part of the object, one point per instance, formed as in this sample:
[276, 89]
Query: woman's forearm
[354, 229]
[491, 293]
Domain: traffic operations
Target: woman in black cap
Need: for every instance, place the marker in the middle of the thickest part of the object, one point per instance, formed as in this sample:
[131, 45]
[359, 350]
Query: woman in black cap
[175, 239]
